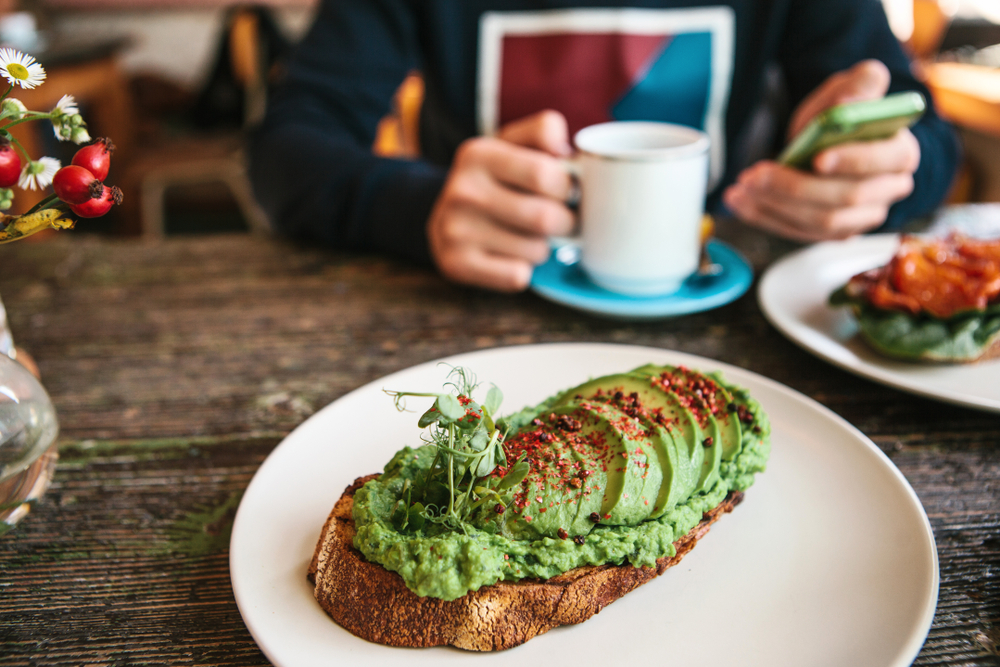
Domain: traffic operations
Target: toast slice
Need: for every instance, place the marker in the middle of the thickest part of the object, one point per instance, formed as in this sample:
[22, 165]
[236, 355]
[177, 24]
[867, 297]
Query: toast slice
[374, 603]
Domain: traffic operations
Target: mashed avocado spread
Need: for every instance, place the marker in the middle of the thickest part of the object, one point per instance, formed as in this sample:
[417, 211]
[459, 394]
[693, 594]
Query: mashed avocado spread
[613, 470]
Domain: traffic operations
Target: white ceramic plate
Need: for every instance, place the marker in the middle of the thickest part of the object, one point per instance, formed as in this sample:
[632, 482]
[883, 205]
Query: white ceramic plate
[830, 559]
[793, 294]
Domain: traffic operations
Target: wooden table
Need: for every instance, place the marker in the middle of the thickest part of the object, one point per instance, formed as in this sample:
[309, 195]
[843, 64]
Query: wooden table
[177, 365]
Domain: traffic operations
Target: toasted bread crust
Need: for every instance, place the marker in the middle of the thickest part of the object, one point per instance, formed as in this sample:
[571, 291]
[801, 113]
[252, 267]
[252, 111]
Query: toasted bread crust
[374, 603]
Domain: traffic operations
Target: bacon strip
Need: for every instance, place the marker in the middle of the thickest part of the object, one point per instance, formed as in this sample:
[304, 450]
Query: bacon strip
[940, 277]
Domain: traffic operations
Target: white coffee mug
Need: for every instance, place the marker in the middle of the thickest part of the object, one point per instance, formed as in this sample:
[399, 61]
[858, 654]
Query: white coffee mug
[642, 197]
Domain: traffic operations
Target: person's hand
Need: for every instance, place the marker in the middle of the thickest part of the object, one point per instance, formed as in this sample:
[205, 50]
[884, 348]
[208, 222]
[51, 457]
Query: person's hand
[852, 185]
[503, 198]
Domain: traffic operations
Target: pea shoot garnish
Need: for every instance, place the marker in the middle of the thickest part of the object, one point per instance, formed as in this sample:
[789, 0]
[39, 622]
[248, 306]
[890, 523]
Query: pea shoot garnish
[469, 447]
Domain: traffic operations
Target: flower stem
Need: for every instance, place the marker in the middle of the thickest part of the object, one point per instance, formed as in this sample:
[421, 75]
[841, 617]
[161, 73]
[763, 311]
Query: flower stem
[42, 204]
[7, 92]
[17, 143]
[27, 118]
[451, 471]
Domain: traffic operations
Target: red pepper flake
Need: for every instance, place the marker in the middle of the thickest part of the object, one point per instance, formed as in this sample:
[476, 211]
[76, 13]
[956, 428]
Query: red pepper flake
[528, 518]
[506, 557]
[576, 482]
[544, 509]
[567, 423]
[562, 534]
[607, 516]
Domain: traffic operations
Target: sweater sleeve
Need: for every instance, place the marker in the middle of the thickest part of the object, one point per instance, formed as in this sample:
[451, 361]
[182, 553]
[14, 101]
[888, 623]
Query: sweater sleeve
[826, 36]
[311, 163]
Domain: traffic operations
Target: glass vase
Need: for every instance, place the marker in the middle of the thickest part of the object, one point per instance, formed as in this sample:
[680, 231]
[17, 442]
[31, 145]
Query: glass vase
[28, 430]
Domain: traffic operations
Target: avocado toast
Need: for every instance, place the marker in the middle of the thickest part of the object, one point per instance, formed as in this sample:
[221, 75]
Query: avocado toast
[568, 505]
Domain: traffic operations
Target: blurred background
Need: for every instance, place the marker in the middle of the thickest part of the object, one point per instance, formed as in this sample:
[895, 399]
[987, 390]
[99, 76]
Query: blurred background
[177, 83]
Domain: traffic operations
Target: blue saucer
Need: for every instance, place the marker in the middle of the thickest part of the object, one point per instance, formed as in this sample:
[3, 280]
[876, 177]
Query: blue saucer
[563, 281]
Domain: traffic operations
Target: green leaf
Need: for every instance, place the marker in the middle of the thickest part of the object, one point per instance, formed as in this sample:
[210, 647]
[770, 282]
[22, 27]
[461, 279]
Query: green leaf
[515, 475]
[500, 455]
[429, 417]
[398, 516]
[494, 397]
[449, 407]
[479, 440]
[486, 464]
[416, 516]
[436, 494]
[472, 417]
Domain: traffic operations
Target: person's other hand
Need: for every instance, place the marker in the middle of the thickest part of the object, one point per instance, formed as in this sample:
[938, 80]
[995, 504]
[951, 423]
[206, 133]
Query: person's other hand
[504, 196]
[852, 185]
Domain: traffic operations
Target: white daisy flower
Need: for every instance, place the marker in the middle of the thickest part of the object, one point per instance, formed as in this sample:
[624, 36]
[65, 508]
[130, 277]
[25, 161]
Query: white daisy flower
[66, 106]
[67, 123]
[20, 69]
[37, 174]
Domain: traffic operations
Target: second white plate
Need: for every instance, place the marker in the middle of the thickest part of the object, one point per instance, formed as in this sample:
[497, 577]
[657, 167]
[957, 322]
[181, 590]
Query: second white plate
[793, 295]
[829, 560]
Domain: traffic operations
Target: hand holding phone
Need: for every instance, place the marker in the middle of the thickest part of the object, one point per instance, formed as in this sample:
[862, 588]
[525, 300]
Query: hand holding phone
[855, 121]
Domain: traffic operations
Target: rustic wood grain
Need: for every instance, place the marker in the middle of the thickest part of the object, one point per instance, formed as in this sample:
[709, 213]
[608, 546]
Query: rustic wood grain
[176, 367]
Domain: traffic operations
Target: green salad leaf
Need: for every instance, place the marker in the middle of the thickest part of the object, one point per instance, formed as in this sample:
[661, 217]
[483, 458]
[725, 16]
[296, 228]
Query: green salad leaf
[962, 337]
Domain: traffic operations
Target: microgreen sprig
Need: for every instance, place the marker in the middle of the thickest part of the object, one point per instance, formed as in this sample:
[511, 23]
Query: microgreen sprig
[469, 448]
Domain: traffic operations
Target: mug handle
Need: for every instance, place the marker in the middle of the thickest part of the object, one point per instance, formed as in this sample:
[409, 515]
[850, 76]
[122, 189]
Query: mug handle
[566, 249]
[572, 167]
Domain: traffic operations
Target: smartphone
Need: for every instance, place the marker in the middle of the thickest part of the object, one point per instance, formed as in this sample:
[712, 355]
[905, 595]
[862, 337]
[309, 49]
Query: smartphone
[855, 121]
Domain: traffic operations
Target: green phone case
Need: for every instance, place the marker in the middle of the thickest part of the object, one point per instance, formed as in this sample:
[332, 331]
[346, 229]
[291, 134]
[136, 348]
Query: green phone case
[856, 121]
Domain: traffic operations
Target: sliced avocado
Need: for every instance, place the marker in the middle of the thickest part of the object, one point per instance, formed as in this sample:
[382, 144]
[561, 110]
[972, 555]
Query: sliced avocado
[682, 444]
[644, 455]
[575, 452]
[718, 401]
[671, 452]
[690, 391]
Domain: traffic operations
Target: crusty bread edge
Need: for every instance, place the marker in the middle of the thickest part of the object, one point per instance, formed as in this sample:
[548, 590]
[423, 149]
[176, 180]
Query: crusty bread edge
[374, 603]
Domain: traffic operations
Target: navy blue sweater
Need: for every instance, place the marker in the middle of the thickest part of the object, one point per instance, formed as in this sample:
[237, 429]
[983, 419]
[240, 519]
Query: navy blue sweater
[311, 161]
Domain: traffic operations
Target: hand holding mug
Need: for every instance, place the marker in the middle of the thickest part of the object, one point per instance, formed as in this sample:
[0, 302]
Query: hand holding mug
[503, 198]
[642, 198]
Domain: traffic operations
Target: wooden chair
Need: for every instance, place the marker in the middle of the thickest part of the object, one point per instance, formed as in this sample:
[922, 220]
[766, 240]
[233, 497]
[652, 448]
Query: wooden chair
[205, 158]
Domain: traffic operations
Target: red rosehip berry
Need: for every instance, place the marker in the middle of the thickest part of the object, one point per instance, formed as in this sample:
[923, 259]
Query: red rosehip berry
[98, 206]
[96, 157]
[76, 185]
[10, 165]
